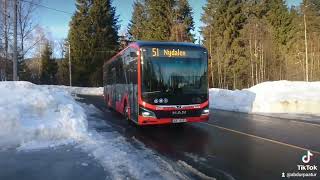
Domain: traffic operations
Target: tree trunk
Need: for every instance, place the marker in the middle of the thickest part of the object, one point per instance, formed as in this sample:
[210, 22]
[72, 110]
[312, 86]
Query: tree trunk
[219, 70]
[251, 60]
[6, 46]
[312, 60]
[256, 57]
[234, 79]
[211, 61]
[306, 46]
[224, 74]
[262, 64]
[280, 72]
[256, 72]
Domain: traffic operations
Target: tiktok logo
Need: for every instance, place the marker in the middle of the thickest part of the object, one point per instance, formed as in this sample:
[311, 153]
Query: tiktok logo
[307, 169]
[306, 158]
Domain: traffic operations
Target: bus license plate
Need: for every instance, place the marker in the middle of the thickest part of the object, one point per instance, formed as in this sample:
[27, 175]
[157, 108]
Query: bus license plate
[179, 120]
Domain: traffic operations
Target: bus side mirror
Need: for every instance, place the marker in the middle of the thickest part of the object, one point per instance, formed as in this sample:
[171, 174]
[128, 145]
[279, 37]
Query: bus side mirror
[133, 54]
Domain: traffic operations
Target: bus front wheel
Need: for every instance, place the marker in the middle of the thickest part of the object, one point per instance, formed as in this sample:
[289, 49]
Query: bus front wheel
[126, 112]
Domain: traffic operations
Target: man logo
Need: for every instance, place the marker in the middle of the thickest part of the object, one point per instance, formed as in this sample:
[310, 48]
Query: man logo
[306, 158]
[179, 112]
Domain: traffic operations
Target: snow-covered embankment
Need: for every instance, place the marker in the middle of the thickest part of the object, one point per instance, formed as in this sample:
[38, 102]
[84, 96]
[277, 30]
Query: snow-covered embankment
[30, 113]
[94, 91]
[270, 97]
[38, 117]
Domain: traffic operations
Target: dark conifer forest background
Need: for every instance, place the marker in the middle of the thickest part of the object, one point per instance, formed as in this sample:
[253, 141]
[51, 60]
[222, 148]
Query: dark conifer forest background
[249, 41]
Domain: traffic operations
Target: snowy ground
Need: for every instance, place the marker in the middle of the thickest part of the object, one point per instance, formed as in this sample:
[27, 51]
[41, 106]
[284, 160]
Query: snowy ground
[283, 98]
[30, 113]
[79, 90]
[40, 117]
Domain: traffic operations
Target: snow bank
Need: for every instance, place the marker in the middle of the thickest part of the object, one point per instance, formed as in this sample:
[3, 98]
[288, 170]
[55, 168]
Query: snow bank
[30, 113]
[80, 90]
[35, 117]
[121, 157]
[270, 97]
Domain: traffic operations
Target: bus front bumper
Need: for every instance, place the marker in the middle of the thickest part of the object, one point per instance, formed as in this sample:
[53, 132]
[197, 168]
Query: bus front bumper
[155, 121]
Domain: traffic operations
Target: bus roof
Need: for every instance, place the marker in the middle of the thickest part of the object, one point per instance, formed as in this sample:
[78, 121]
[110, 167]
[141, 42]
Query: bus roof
[165, 43]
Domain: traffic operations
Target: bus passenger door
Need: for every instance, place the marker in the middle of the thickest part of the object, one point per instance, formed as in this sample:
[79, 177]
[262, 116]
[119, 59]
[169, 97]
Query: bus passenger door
[131, 77]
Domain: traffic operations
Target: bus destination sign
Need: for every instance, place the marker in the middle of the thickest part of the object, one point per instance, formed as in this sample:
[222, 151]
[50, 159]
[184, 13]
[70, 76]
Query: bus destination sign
[157, 52]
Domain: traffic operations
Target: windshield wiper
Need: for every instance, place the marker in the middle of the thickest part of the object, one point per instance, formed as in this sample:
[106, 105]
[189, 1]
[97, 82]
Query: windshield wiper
[151, 92]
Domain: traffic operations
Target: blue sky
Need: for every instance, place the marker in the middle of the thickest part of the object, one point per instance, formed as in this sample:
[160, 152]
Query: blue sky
[57, 23]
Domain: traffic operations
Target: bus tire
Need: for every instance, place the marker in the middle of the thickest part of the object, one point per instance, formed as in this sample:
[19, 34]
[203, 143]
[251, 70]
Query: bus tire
[126, 112]
[107, 103]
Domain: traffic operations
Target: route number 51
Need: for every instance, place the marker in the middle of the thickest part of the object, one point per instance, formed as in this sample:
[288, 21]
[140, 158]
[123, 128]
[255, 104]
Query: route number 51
[155, 52]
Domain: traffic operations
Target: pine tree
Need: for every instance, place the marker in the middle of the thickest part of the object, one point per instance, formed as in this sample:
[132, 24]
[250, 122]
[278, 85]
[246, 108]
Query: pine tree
[281, 21]
[223, 21]
[24, 72]
[63, 72]
[79, 39]
[162, 20]
[183, 22]
[255, 37]
[137, 25]
[258, 40]
[159, 19]
[63, 66]
[93, 38]
[104, 36]
[48, 66]
[310, 17]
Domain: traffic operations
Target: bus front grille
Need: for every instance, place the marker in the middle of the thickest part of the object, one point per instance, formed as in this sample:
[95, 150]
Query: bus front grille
[178, 113]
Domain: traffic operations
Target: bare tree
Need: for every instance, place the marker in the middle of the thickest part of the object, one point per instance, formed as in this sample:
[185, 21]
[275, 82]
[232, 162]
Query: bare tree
[38, 42]
[5, 30]
[61, 46]
[26, 25]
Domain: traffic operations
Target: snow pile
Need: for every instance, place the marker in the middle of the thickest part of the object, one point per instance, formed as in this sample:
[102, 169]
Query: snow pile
[240, 101]
[37, 117]
[31, 113]
[94, 91]
[122, 160]
[270, 97]
[121, 157]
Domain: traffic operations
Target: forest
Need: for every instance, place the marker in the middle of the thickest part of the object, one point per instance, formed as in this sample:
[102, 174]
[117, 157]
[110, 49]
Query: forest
[249, 41]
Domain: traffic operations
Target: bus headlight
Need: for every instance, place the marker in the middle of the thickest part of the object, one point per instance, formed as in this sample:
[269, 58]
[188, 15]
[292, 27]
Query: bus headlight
[147, 113]
[205, 111]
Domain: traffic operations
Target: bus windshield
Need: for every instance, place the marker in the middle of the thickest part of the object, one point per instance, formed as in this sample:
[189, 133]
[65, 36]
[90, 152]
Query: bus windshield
[175, 78]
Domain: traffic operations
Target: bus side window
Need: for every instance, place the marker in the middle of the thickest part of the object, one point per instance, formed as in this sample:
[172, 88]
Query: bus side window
[125, 67]
[105, 73]
[113, 73]
[133, 68]
[134, 75]
[109, 75]
[120, 71]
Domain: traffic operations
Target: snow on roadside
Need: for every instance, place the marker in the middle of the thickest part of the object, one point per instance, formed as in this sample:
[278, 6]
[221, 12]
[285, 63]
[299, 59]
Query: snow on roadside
[95, 91]
[270, 97]
[37, 117]
[120, 158]
[31, 113]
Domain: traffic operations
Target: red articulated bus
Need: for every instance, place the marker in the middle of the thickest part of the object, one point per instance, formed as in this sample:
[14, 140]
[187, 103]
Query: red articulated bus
[158, 83]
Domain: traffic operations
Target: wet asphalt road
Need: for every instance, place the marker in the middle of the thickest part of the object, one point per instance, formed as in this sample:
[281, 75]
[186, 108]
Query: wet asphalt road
[60, 163]
[230, 145]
